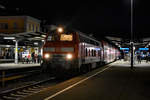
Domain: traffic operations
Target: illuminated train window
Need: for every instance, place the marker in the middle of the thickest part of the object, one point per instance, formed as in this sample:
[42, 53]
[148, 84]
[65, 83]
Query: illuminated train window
[65, 37]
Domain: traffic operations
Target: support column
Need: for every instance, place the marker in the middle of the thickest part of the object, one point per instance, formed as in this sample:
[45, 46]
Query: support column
[16, 52]
[132, 55]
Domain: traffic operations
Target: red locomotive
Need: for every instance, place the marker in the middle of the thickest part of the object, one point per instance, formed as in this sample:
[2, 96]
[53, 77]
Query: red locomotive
[73, 51]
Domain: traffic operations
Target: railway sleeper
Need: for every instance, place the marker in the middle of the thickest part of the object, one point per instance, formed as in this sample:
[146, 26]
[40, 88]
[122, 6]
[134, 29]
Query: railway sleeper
[33, 89]
[28, 91]
[17, 95]
[22, 93]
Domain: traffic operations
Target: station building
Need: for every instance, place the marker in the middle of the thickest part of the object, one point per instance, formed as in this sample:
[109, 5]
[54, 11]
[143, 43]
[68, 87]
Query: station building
[19, 36]
[18, 24]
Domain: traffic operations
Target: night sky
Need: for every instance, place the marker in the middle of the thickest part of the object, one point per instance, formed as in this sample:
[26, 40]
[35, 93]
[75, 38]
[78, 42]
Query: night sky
[106, 17]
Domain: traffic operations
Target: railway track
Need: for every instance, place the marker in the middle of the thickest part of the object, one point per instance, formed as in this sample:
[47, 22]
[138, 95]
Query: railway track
[32, 86]
[6, 76]
[23, 91]
[19, 75]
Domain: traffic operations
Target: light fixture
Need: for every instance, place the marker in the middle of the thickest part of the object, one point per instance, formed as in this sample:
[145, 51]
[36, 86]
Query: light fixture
[69, 56]
[9, 38]
[60, 29]
[47, 56]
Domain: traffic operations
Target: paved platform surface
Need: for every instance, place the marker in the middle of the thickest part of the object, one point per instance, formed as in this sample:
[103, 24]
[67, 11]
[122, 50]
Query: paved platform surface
[116, 82]
[16, 66]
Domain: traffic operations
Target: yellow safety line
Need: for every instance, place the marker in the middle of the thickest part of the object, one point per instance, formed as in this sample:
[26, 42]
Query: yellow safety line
[11, 78]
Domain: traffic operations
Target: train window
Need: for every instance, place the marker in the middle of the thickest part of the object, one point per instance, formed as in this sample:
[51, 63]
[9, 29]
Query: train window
[89, 53]
[86, 52]
[49, 38]
[94, 52]
[65, 37]
[62, 37]
[99, 53]
[53, 37]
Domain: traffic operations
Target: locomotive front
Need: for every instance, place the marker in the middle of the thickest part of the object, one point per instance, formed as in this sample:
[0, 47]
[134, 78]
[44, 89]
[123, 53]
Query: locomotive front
[59, 52]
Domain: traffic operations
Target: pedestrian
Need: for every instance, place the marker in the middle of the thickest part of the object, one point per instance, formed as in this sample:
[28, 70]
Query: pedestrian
[29, 58]
[39, 58]
[33, 57]
[139, 58]
[146, 58]
[26, 59]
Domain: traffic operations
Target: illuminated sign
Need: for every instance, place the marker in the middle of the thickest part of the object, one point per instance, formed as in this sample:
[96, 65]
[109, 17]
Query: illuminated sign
[143, 48]
[65, 37]
[124, 48]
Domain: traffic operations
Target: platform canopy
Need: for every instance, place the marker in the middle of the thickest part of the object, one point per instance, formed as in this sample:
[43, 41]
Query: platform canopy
[25, 38]
[121, 42]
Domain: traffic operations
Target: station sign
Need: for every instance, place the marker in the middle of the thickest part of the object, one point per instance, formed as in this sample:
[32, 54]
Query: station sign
[144, 49]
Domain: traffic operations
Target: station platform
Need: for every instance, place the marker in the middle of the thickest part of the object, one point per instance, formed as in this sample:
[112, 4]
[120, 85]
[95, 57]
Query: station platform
[128, 63]
[6, 66]
[116, 81]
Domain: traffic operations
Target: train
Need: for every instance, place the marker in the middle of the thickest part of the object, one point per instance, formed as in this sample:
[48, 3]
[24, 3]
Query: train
[67, 51]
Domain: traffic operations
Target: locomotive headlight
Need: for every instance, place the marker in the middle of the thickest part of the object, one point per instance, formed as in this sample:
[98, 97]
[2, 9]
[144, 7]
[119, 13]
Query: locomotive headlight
[69, 56]
[47, 56]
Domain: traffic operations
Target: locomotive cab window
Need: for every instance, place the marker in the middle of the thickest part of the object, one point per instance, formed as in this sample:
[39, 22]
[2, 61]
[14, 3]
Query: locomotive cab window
[53, 37]
[49, 38]
[62, 37]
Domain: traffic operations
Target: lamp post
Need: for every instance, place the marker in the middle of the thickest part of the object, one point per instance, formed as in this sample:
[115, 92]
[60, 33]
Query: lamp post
[16, 52]
[132, 43]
